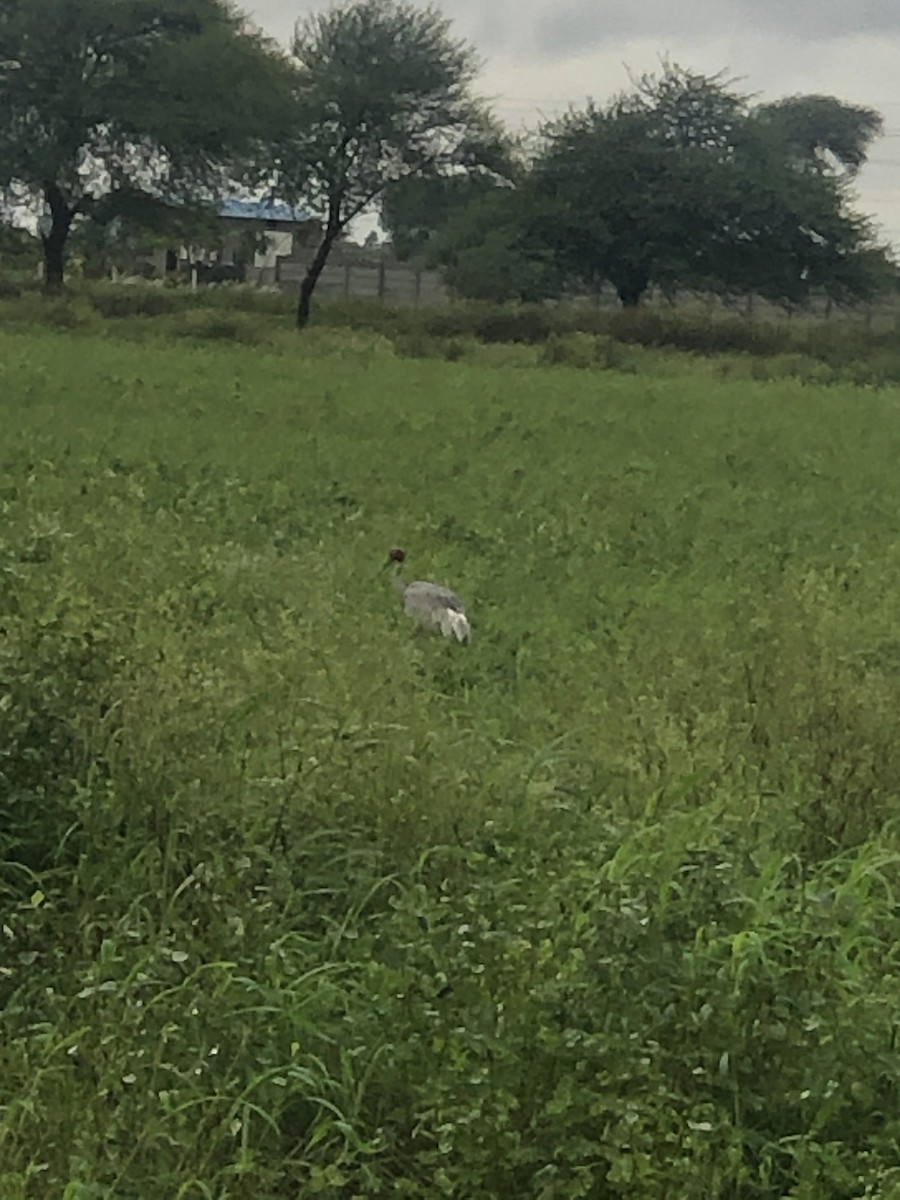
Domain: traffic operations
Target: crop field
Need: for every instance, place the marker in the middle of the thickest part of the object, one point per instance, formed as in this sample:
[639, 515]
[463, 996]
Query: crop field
[299, 901]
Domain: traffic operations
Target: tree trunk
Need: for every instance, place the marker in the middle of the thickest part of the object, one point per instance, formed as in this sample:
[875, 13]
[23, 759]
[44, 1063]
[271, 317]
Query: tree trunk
[630, 294]
[315, 269]
[631, 285]
[55, 241]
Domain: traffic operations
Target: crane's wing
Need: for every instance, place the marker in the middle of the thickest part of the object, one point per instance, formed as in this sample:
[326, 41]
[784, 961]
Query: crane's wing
[435, 595]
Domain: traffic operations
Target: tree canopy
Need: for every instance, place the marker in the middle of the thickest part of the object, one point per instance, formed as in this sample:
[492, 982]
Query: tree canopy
[106, 103]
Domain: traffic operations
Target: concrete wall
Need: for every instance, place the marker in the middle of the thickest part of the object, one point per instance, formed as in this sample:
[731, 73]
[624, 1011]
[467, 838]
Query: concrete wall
[374, 279]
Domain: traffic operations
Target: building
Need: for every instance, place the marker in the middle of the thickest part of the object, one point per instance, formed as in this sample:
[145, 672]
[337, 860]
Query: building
[254, 235]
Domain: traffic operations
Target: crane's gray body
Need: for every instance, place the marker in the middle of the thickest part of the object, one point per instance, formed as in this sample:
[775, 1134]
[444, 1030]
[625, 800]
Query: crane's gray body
[435, 607]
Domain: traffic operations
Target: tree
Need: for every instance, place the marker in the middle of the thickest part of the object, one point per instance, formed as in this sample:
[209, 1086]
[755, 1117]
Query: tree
[677, 183]
[383, 95]
[103, 101]
[627, 195]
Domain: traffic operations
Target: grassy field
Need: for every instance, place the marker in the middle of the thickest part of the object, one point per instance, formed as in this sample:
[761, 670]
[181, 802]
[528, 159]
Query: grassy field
[298, 902]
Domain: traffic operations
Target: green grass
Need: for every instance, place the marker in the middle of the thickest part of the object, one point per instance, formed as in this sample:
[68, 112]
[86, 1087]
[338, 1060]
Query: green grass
[298, 902]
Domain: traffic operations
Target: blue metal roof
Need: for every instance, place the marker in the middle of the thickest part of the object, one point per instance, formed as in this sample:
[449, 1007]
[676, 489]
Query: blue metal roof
[262, 210]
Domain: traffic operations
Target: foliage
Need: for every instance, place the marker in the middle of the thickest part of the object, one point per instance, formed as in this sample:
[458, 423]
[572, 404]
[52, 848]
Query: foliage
[132, 301]
[384, 94]
[824, 133]
[680, 182]
[416, 208]
[297, 902]
[110, 110]
[221, 326]
[622, 205]
[128, 224]
[572, 350]
[19, 251]
[488, 250]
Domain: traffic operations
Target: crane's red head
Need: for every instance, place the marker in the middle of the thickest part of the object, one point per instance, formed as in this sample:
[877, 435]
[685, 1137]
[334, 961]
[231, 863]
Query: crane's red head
[397, 555]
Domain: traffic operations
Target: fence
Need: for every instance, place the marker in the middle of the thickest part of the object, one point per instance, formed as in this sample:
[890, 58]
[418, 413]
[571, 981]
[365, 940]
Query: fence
[393, 282]
[878, 316]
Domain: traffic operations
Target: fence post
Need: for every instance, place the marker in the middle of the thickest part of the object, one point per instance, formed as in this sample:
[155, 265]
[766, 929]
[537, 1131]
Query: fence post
[347, 270]
[381, 279]
[417, 287]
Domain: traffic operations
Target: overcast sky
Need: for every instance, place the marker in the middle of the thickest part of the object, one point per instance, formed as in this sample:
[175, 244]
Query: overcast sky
[539, 55]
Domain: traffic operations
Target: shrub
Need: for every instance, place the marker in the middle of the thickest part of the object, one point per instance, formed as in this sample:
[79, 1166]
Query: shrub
[135, 301]
[245, 297]
[459, 348]
[419, 345]
[570, 350]
[455, 320]
[530, 324]
[700, 334]
[219, 326]
[490, 323]
[359, 346]
[63, 311]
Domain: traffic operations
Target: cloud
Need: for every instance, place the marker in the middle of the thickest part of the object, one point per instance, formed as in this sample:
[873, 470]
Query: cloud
[584, 25]
[817, 20]
[546, 29]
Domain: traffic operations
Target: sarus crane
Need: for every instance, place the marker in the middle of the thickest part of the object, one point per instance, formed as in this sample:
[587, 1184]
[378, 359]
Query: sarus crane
[431, 605]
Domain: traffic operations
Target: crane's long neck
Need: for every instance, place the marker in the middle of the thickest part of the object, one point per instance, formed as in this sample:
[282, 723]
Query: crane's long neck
[399, 584]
